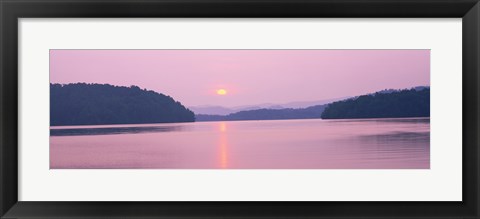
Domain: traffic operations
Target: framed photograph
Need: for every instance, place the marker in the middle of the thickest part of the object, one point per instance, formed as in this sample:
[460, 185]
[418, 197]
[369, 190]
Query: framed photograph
[256, 109]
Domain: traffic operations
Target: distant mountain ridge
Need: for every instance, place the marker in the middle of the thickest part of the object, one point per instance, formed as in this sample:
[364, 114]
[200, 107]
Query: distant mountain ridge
[215, 110]
[219, 110]
[313, 112]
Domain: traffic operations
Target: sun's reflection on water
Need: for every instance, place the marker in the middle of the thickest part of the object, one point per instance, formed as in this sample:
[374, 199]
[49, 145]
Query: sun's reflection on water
[223, 145]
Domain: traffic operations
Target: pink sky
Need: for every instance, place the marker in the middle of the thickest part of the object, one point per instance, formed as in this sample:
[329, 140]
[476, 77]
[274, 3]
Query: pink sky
[249, 76]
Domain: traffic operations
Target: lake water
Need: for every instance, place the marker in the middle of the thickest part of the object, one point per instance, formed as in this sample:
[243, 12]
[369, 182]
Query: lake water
[275, 144]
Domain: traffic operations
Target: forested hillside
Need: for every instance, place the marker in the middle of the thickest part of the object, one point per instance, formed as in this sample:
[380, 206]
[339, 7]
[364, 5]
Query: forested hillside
[395, 104]
[99, 104]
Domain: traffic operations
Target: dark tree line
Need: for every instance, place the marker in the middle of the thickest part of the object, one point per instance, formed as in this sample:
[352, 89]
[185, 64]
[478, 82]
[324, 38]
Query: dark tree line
[397, 104]
[98, 104]
[312, 112]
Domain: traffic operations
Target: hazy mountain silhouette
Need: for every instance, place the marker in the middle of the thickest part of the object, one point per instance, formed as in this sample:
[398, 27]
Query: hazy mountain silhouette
[313, 112]
[220, 110]
[215, 110]
[100, 104]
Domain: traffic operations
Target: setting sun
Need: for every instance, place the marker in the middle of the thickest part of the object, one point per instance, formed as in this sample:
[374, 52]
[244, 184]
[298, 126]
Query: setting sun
[222, 92]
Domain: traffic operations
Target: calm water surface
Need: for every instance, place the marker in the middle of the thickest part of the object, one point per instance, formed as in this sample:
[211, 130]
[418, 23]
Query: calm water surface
[276, 144]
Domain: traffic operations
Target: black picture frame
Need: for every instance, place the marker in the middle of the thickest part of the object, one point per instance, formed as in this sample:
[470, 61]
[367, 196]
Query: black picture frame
[12, 10]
